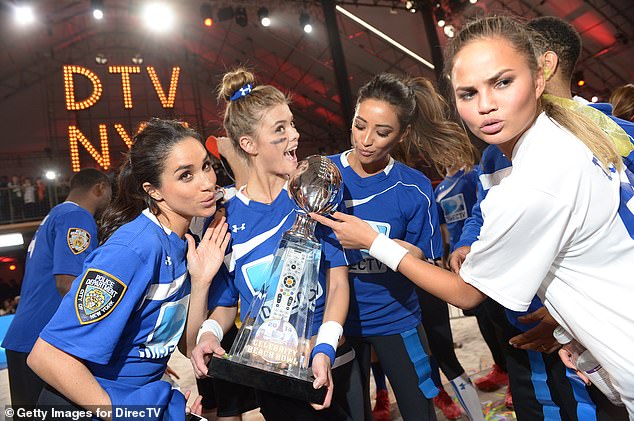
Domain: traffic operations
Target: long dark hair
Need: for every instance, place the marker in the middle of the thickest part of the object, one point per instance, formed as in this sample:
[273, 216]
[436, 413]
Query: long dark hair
[421, 108]
[144, 162]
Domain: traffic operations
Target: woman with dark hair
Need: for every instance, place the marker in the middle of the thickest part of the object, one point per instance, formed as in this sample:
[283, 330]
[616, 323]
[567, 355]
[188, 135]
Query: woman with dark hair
[399, 117]
[144, 290]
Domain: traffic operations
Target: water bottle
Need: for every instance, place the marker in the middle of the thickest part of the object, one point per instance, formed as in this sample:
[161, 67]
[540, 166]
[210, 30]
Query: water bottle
[586, 363]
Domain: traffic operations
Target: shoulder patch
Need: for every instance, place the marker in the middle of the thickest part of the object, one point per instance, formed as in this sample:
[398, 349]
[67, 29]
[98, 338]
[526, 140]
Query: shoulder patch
[98, 294]
[78, 240]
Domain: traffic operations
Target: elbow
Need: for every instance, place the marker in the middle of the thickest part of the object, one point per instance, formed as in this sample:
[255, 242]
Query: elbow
[471, 299]
[35, 360]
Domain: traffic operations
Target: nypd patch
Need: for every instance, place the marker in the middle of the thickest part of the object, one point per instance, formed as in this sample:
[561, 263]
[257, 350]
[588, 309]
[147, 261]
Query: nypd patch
[78, 240]
[98, 294]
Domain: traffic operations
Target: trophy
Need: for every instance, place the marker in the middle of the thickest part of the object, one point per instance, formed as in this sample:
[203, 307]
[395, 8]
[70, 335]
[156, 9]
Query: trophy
[272, 349]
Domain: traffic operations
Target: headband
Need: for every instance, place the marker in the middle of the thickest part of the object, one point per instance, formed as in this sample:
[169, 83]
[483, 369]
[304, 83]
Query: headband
[242, 92]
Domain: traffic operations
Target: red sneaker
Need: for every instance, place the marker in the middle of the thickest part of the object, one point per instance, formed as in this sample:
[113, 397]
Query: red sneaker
[381, 411]
[492, 381]
[508, 398]
[449, 408]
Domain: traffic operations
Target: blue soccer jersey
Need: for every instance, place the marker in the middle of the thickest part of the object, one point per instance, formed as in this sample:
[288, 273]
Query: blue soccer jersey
[455, 196]
[398, 202]
[125, 313]
[256, 231]
[64, 239]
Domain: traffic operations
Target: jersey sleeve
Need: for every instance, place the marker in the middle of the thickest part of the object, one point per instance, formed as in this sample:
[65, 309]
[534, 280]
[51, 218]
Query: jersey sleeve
[524, 230]
[423, 228]
[223, 291]
[99, 304]
[75, 239]
[473, 224]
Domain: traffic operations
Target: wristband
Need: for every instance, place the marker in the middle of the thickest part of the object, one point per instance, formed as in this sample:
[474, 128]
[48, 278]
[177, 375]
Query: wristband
[387, 251]
[324, 349]
[210, 325]
[329, 333]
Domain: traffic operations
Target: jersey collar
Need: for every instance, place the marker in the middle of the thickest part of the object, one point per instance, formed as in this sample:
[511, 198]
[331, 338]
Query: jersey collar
[345, 163]
[154, 219]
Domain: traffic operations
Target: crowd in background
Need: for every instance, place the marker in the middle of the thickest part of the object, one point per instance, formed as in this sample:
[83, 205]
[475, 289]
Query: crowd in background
[24, 198]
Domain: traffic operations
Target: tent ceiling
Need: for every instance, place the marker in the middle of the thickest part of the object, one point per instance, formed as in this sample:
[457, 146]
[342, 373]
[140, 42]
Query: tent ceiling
[66, 33]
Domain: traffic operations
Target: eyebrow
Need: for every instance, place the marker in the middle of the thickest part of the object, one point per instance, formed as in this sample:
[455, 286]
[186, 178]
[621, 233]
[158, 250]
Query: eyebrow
[183, 167]
[489, 80]
[377, 125]
[206, 158]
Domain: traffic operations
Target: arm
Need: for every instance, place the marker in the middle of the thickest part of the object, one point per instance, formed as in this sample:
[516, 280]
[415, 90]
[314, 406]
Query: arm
[411, 249]
[337, 301]
[354, 233]
[203, 262]
[209, 343]
[337, 295]
[68, 375]
[63, 283]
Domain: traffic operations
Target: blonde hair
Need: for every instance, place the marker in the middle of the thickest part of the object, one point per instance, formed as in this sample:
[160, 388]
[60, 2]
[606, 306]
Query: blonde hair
[431, 132]
[622, 100]
[242, 115]
[521, 39]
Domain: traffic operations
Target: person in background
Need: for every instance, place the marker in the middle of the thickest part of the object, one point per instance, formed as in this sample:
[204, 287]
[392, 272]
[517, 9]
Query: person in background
[54, 258]
[622, 100]
[28, 189]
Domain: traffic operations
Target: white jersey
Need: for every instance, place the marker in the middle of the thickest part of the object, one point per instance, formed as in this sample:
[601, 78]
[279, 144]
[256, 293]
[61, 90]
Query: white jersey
[560, 226]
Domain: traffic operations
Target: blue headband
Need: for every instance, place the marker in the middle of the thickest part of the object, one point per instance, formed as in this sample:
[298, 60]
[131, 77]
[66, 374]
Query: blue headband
[242, 92]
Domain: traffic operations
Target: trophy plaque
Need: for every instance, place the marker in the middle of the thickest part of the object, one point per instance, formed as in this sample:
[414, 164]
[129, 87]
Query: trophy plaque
[272, 349]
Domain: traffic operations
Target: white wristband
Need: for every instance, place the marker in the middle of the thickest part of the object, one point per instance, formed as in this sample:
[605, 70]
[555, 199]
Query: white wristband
[210, 325]
[387, 251]
[329, 333]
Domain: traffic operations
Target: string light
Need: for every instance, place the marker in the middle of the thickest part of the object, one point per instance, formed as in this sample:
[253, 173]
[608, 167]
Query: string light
[75, 137]
[124, 135]
[125, 81]
[167, 102]
[69, 88]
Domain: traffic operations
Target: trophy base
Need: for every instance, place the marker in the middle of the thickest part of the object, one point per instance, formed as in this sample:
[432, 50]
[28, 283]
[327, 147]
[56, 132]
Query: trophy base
[225, 369]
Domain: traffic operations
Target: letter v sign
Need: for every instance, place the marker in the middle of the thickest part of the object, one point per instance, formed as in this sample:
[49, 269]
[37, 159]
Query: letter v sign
[167, 102]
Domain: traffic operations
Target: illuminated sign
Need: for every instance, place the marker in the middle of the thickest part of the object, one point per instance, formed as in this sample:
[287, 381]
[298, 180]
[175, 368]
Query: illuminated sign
[76, 137]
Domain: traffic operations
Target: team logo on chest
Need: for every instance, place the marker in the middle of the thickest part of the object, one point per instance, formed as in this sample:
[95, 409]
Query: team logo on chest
[98, 294]
[78, 240]
[236, 228]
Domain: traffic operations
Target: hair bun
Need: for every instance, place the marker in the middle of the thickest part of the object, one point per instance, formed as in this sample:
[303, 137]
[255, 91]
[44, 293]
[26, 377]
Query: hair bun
[234, 80]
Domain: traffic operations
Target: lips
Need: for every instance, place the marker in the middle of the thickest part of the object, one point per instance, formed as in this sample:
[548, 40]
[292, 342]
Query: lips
[365, 153]
[209, 202]
[491, 126]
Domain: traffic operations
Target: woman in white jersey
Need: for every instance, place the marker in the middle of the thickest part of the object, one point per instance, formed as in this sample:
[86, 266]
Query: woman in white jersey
[559, 225]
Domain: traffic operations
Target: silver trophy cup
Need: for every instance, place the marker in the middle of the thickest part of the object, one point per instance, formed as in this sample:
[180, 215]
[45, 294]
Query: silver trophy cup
[272, 349]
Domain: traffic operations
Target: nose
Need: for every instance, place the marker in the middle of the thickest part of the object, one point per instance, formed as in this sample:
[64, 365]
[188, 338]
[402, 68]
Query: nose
[294, 134]
[486, 102]
[366, 138]
[209, 181]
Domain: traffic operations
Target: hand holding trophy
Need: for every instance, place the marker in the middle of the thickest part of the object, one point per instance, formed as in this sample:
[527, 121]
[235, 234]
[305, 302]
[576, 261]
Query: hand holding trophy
[272, 349]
